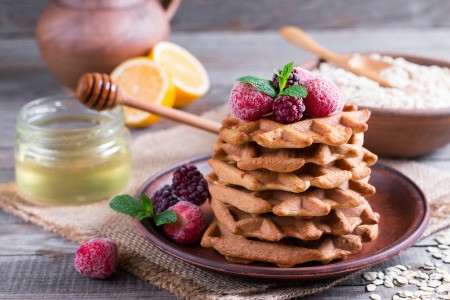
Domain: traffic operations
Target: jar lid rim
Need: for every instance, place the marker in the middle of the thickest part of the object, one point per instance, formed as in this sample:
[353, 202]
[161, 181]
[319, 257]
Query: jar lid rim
[52, 104]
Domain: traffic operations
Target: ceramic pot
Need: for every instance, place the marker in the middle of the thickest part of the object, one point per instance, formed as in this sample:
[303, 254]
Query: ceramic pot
[78, 36]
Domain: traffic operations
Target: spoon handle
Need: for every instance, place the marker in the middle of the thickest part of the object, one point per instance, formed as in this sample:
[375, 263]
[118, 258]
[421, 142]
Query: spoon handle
[172, 114]
[300, 38]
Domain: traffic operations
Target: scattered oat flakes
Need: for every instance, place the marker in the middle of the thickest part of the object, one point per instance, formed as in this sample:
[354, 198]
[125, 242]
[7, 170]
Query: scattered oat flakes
[427, 289]
[401, 267]
[377, 282]
[375, 297]
[400, 281]
[370, 276]
[447, 259]
[388, 284]
[404, 294]
[433, 283]
[371, 287]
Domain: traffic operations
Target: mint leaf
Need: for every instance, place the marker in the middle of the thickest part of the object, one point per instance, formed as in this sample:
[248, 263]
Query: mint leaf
[147, 205]
[167, 216]
[142, 215]
[260, 84]
[126, 204]
[296, 91]
[276, 72]
[284, 76]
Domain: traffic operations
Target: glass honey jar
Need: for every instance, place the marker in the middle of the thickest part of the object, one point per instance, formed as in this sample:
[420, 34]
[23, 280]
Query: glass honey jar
[69, 154]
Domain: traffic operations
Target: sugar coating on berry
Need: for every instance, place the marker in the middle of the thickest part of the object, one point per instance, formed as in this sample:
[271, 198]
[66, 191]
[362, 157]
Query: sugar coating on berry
[190, 185]
[163, 199]
[324, 98]
[97, 258]
[304, 75]
[190, 224]
[248, 103]
[288, 109]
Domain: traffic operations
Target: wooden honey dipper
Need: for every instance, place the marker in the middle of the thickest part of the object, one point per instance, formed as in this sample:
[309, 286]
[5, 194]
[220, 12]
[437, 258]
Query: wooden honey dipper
[100, 92]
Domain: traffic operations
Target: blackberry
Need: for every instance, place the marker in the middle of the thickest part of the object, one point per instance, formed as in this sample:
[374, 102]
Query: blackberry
[190, 185]
[163, 199]
[294, 79]
[288, 109]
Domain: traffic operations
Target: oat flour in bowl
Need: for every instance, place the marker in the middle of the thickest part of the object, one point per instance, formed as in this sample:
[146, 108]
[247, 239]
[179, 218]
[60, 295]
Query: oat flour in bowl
[417, 86]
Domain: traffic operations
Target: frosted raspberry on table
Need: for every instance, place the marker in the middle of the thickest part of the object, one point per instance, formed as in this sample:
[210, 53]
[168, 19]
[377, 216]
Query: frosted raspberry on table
[248, 103]
[324, 98]
[97, 258]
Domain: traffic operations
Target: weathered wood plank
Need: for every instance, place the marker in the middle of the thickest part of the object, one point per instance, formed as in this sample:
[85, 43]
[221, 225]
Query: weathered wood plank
[18, 18]
[35, 275]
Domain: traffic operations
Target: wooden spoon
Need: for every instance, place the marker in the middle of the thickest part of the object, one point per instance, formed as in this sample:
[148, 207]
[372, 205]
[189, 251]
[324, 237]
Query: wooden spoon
[359, 65]
[99, 92]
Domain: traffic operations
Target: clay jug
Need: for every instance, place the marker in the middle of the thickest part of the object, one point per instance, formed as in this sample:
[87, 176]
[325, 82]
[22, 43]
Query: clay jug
[78, 36]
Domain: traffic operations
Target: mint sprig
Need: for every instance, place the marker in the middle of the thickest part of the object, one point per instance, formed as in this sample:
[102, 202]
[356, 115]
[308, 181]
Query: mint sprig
[260, 84]
[267, 87]
[128, 205]
[284, 75]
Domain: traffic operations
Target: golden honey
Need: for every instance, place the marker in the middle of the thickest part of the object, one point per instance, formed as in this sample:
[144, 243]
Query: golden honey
[69, 154]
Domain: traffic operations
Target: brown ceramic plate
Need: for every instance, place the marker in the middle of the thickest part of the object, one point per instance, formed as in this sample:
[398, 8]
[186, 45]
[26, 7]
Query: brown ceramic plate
[404, 216]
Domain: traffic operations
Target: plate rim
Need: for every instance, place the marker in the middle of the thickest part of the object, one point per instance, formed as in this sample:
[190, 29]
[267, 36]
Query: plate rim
[322, 271]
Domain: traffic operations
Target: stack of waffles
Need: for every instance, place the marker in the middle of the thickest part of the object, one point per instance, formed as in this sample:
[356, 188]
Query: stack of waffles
[290, 194]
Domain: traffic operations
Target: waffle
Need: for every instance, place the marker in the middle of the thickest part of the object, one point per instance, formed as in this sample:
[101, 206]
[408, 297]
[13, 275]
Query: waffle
[251, 156]
[285, 253]
[312, 203]
[290, 194]
[329, 176]
[334, 131]
[272, 228]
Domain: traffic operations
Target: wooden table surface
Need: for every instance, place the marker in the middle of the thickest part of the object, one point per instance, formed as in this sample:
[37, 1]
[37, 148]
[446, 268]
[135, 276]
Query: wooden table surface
[36, 264]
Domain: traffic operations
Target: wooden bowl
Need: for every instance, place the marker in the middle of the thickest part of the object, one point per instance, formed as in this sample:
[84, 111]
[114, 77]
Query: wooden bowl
[405, 133]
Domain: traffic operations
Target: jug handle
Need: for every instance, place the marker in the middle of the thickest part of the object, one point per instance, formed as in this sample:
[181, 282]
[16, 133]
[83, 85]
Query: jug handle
[171, 7]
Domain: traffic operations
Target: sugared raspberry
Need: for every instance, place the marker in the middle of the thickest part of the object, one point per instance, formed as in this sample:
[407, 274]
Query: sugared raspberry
[190, 185]
[164, 198]
[189, 226]
[324, 98]
[97, 258]
[297, 77]
[249, 104]
[288, 109]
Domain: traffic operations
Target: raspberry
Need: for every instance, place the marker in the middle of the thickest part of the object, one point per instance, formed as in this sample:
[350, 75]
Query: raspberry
[190, 185]
[189, 226]
[249, 104]
[164, 198]
[288, 109]
[324, 98]
[97, 258]
[297, 77]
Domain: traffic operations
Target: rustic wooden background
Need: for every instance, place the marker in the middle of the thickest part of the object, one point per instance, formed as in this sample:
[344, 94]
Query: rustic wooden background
[18, 17]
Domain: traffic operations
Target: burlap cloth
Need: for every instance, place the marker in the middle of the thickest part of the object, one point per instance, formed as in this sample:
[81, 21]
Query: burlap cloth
[152, 152]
